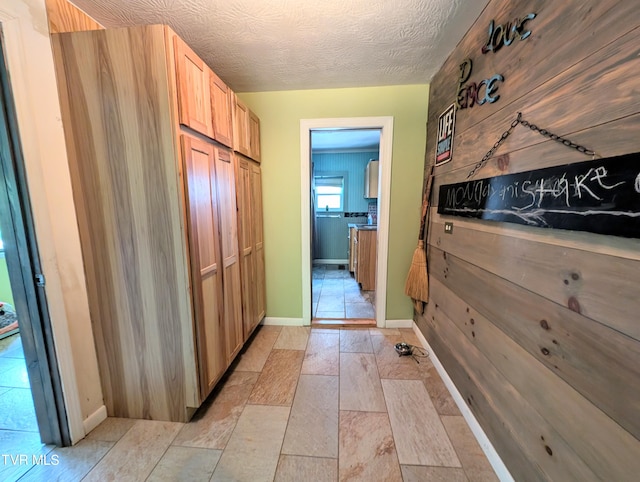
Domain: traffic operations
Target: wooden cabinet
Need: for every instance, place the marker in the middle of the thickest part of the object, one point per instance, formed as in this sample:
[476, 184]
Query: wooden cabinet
[365, 262]
[157, 215]
[221, 111]
[246, 130]
[193, 89]
[249, 192]
[352, 248]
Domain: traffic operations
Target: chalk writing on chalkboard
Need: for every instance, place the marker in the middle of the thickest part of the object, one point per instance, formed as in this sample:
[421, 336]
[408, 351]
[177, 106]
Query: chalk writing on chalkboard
[599, 196]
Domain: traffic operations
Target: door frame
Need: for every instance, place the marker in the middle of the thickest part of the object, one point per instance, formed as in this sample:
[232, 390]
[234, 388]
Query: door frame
[25, 274]
[385, 124]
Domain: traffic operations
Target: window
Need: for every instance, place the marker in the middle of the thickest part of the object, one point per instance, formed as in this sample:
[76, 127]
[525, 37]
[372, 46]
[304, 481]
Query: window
[329, 193]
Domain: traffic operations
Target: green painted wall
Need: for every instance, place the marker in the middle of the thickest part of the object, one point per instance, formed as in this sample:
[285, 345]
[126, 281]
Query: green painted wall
[280, 114]
[6, 294]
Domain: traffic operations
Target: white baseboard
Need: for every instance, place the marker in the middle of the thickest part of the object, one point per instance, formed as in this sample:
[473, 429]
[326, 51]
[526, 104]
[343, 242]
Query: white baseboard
[494, 459]
[330, 261]
[282, 321]
[95, 419]
[399, 323]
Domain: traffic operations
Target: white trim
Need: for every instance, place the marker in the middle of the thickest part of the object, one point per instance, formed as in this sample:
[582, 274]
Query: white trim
[95, 419]
[331, 261]
[399, 323]
[494, 459]
[385, 124]
[282, 321]
[22, 38]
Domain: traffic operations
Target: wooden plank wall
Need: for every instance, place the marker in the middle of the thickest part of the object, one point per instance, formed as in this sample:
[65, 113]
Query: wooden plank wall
[66, 17]
[539, 328]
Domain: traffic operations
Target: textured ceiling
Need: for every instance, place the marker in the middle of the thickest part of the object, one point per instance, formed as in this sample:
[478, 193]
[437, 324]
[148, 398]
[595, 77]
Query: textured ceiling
[264, 45]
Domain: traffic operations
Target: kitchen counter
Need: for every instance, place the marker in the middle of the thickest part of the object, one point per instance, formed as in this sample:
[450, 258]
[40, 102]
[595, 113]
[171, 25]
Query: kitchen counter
[363, 227]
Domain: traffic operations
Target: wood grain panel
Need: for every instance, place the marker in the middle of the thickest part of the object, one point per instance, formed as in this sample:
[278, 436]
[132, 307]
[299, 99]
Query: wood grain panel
[121, 156]
[232, 288]
[555, 457]
[241, 127]
[206, 275]
[221, 109]
[66, 17]
[560, 274]
[566, 342]
[366, 259]
[600, 442]
[258, 240]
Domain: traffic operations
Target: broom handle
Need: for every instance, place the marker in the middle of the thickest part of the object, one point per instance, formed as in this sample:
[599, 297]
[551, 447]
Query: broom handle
[425, 204]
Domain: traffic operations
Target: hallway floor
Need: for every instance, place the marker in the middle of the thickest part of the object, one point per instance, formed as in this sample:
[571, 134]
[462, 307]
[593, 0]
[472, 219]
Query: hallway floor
[300, 405]
[336, 295]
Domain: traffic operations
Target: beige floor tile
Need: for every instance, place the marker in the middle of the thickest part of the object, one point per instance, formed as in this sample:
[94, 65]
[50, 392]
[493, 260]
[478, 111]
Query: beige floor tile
[293, 468]
[419, 434]
[440, 395]
[323, 353]
[315, 330]
[383, 331]
[277, 382]
[253, 357]
[69, 463]
[360, 387]
[254, 448]
[390, 365]
[136, 454]
[420, 473]
[292, 338]
[474, 462]
[367, 449]
[185, 463]
[214, 422]
[355, 341]
[313, 423]
[15, 444]
[111, 430]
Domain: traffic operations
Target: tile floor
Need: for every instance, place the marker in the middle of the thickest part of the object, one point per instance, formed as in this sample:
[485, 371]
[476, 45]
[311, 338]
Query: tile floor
[336, 295]
[300, 405]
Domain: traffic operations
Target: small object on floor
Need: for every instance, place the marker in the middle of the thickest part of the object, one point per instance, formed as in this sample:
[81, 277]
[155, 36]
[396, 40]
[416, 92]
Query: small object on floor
[404, 349]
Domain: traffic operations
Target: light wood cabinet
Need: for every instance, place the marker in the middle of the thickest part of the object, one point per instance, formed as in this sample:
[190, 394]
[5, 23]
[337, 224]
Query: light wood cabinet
[365, 263]
[249, 186]
[246, 130]
[352, 248]
[157, 214]
[221, 111]
[194, 86]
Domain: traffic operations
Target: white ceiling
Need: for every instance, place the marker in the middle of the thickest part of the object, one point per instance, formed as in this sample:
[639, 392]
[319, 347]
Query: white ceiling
[265, 45]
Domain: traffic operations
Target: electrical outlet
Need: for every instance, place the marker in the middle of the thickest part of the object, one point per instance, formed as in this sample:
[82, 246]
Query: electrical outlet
[448, 227]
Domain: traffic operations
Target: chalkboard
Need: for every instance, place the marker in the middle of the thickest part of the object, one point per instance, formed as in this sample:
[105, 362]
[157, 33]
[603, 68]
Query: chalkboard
[599, 196]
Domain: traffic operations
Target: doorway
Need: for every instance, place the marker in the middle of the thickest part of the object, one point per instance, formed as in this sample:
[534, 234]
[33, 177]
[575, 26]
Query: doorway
[344, 212]
[28, 347]
[382, 126]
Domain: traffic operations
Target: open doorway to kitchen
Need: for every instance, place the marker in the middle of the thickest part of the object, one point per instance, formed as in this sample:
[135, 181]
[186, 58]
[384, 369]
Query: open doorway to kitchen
[344, 214]
[328, 196]
[32, 411]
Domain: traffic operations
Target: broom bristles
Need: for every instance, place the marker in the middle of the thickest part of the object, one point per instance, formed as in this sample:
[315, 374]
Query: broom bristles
[417, 284]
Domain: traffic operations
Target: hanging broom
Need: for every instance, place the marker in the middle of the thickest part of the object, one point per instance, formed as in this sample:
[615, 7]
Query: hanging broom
[417, 284]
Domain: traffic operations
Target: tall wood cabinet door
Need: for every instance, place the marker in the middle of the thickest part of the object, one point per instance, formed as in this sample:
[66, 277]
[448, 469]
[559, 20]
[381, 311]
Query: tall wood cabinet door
[258, 241]
[193, 85]
[221, 108]
[206, 270]
[227, 209]
[241, 127]
[245, 238]
[254, 136]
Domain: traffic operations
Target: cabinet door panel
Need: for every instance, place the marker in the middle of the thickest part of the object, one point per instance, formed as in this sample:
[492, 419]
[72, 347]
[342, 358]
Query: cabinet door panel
[221, 108]
[254, 136]
[245, 238]
[205, 258]
[241, 127]
[258, 241]
[227, 209]
[193, 81]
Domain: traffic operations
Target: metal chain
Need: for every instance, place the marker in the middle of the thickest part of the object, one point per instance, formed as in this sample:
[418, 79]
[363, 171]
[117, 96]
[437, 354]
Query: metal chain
[535, 128]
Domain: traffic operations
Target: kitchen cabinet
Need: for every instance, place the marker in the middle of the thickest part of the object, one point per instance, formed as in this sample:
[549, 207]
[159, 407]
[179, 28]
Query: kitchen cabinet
[371, 179]
[365, 260]
[193, 88]
[157, 215]
[352, 248]
[249, 192]
[221, 111]
[246, 130]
